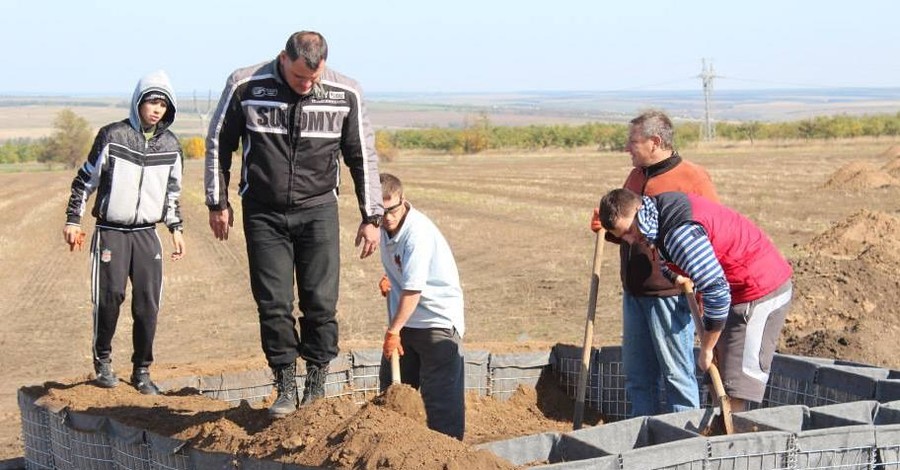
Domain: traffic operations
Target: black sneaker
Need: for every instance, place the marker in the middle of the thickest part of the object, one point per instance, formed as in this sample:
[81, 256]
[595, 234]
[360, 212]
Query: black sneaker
[314, 387]
[106, 377]
[140, 378]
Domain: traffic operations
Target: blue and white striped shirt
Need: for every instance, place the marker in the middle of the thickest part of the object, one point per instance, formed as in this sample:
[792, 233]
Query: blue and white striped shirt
[690, 249]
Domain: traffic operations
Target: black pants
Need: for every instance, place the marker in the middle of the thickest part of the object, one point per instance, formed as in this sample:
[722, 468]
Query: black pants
[279, 245]
[117, 256]
[433, 362]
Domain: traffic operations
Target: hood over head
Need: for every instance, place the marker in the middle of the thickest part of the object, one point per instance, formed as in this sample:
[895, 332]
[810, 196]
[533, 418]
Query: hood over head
[153, 83]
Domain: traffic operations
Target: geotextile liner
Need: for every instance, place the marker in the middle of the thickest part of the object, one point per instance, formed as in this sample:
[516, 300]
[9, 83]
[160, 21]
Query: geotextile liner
[853, 431]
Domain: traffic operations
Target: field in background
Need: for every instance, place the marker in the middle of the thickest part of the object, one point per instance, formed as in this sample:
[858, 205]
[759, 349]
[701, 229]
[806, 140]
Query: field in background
[518, 225]
[24, 116]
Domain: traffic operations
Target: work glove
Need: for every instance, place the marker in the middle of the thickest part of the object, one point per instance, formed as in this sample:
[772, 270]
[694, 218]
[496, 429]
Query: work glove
[391, 344]
[384, 285]
[595, 220]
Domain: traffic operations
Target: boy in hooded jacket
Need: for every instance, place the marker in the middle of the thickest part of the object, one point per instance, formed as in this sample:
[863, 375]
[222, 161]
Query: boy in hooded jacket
[135, 168]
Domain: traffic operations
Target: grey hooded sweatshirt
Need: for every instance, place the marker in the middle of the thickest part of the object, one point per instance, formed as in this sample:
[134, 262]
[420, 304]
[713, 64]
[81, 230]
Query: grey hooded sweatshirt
[137, 180]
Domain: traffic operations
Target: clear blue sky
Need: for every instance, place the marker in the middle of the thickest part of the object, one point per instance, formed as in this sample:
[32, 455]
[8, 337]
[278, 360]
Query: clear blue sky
[104, 46]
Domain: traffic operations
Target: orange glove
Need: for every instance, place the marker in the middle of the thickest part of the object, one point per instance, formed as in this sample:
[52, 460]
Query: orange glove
[384, 285]
[595, 220]
[391, 344]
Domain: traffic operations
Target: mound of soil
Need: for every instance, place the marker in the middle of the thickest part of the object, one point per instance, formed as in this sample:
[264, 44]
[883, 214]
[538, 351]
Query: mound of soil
[891, 152]
[860, 175]
[387, 432]
[846, 291]
[892, 167]
[861, 232]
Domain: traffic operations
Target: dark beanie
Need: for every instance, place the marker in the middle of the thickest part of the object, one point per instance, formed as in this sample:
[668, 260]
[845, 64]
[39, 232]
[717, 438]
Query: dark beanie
[154, 95]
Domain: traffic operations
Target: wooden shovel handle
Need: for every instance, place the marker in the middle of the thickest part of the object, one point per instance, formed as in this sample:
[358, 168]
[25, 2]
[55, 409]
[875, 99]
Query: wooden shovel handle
[395, 367]
[580, 389]
[713, 371]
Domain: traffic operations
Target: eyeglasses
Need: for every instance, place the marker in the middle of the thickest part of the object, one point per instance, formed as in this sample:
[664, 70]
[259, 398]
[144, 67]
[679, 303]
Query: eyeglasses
[393, 209]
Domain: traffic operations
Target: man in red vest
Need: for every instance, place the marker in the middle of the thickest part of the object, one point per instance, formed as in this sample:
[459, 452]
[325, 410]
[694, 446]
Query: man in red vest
[744, 281]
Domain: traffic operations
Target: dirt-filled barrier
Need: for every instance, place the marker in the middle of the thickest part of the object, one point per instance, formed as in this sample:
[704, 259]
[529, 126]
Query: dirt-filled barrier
[221, 422]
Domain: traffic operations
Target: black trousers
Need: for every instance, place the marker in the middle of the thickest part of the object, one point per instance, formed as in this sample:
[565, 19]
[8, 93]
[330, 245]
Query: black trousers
[433, 363]
[280, 245]
[116, 257]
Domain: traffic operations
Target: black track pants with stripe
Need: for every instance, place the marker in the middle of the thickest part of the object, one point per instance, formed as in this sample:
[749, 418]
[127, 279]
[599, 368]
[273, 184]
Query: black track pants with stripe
[116, 257]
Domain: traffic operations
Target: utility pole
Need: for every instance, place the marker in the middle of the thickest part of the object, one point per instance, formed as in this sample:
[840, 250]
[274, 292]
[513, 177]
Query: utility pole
[707, 75]
[204, 113]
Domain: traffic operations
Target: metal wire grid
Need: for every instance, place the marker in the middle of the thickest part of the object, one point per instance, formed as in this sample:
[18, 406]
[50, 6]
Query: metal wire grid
[366, 383]
[775, 460]
[234, 387]
[568, 369]
[130, 456]
[889, 456]
[505, 381]
[60, 444]
[787, 390]
[36, 437]
[862, 458]
[830, 396]
[90, 449]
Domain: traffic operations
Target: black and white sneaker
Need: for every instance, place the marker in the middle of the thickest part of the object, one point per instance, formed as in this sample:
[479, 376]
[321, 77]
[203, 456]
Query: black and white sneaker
[105, 376]
[140, 378]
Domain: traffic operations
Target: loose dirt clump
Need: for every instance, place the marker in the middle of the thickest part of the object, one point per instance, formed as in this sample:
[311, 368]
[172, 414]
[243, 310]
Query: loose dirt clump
[846, 289]
[387, 432]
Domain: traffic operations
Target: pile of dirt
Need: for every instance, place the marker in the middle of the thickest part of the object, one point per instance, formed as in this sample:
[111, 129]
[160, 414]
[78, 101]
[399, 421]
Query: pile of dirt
[846, 290]
[892, 167]
[860, 175]
[387, 432]
[859, 234]
[891, 152]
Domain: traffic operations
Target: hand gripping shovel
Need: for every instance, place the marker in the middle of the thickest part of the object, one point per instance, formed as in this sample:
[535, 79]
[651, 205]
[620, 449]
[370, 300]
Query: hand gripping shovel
[578, 415]
[713, 370]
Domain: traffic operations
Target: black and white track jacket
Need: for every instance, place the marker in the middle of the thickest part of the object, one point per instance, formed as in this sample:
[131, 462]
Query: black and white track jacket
[137, 180]
[291, 144]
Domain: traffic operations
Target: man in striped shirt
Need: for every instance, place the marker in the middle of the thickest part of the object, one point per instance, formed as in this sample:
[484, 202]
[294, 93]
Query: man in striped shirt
[744, 281]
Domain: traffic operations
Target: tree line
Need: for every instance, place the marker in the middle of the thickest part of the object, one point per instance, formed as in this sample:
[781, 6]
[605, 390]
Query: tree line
[72, 136]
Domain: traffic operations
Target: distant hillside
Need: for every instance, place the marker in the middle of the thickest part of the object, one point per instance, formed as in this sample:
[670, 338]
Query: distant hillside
[32, 116]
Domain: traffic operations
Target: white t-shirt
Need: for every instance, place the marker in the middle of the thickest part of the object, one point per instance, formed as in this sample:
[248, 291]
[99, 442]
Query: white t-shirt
[418, 258]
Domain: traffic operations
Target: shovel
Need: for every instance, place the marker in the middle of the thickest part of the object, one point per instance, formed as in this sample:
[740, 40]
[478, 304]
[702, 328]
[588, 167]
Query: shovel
[578, 414]
[395, 357]
[395, 367]
[713, 370]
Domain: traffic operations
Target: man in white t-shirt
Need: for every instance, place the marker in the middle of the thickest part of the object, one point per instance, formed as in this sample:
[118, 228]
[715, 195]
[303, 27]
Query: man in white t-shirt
[425, 310]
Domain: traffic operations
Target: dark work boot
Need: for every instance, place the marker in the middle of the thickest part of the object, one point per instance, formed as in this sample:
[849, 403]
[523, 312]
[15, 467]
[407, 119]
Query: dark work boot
[140, 378]
[314, 388]
[106, 377]
[286, 385]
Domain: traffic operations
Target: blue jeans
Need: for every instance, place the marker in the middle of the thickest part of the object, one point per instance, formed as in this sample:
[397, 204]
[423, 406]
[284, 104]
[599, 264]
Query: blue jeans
[658, 344]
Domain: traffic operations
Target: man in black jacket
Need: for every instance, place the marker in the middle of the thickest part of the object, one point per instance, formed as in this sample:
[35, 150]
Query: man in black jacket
[294, 117]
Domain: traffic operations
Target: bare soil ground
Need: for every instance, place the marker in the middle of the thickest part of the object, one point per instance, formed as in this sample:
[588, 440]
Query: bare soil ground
[518, 228]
